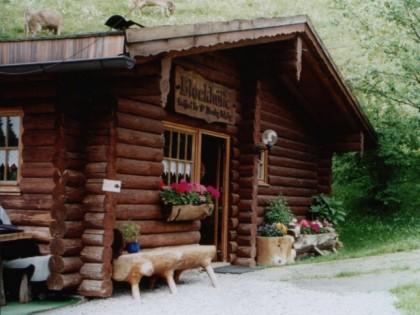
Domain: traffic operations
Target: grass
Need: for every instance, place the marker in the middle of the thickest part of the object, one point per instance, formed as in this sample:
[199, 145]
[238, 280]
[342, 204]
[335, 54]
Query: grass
[369, 236]
[409, 297]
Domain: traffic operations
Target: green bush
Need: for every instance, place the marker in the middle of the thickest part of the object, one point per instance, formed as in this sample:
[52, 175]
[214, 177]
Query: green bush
[328, 208]
[278, 211]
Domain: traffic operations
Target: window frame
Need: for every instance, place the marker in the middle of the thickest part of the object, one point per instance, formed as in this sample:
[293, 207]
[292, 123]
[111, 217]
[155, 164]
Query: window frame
[194, 152]
[262, 164]
[8, 187]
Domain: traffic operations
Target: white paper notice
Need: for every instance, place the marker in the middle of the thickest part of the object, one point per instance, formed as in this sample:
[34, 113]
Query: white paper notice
[111, 185]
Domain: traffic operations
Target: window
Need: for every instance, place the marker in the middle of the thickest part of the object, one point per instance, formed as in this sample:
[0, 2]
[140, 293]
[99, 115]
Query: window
[179, 155]
[262, 167]
[10, 148]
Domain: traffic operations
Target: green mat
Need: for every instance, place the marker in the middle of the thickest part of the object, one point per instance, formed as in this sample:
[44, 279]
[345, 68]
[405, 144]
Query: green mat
[16, 308]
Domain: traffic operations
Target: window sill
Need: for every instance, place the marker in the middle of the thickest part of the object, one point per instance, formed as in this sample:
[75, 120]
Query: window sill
[10, 190]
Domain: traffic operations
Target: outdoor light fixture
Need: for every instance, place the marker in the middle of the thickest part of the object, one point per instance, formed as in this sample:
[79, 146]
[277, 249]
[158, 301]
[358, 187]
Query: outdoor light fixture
[269, 138]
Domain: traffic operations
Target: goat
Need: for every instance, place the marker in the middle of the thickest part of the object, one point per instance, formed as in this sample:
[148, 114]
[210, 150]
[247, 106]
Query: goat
[167, 5]
[43, 19]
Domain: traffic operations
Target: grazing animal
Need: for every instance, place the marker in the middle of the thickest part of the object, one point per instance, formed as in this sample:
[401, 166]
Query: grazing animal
[168, 6]
[43, 19]
[120, 23]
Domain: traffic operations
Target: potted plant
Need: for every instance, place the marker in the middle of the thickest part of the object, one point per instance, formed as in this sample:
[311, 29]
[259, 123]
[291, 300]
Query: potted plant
[131, 235]
[186, 201]
[274, 246]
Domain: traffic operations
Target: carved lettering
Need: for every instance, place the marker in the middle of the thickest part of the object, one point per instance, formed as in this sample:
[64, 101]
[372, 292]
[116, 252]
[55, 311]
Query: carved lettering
[198, 97]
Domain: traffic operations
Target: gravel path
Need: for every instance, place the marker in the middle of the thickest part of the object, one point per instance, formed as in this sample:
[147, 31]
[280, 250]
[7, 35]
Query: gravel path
[347, 287]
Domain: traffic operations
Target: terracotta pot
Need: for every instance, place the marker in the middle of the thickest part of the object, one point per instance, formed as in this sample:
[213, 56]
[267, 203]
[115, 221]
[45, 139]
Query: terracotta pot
[190, 212]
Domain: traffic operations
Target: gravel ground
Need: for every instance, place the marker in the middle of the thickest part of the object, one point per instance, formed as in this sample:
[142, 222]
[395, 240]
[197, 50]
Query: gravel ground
[296, 289]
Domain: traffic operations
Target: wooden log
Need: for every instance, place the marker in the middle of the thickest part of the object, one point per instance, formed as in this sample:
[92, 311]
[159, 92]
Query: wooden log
[67, 229]
[139, 182]
[138, 152]
[246, 240]
[138, 167]
[140, 138]
[68, 212]
[292, 163]
[59, 264]
[181, 238]
[73, 178]
[97, 153]
[309, 243]
[65, 247]
[139, 123]
[96, 254]
[95, 237]
[29, 217]
[38, 154]
[163, 262]
[293, 182]
[137, 196]
[142, 109]
[138, 212]
[95, 288]
[39, 106]
[38, 233]
[94, 203]
[96, 167]
[39, 137]
[275, 251]
[95, 220]
[161, 227]
[38, 170]
[246, 251]
[96, 271]
[58, 282]
[244, 261]
[40, 121]
[291, 172]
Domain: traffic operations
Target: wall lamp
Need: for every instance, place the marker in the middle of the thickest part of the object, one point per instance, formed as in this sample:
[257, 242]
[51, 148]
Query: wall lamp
[269, 138]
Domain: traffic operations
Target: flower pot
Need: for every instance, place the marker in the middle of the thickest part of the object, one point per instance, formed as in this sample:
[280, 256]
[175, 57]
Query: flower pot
[275, 250]
[190, 212]
[132, 247]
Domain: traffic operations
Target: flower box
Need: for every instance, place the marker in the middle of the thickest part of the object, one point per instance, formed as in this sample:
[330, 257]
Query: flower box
[315, 243]
[189, 212]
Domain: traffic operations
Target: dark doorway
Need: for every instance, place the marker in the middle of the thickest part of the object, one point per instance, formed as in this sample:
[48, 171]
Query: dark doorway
[213, 164]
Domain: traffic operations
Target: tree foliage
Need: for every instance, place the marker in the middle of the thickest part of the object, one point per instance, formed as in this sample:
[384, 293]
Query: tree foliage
[386, 180]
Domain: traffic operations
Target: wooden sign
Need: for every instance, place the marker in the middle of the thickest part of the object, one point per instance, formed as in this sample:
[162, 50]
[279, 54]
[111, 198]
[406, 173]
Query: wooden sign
[197, 97]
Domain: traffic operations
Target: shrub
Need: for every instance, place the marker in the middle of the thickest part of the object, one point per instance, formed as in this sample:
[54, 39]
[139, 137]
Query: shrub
[278, 211]
[328, 208]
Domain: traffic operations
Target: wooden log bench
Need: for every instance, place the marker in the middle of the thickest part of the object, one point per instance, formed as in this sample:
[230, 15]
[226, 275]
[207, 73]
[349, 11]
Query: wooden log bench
[166, 262]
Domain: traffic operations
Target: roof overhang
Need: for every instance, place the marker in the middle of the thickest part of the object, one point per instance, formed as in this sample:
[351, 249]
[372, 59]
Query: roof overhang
[305, 67]
[96, 64]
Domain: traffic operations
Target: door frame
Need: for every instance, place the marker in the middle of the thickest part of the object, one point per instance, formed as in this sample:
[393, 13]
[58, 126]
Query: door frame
[225, 185]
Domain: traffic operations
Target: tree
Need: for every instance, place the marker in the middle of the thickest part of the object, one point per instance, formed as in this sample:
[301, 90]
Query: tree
[386, 81]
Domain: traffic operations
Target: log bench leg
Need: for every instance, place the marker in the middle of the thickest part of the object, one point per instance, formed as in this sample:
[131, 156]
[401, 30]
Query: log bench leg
[212, 276]
[171, 282]
[146, 269]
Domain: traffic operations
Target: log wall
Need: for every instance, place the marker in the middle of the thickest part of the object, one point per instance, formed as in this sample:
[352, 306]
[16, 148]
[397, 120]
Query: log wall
[67, 209]
[298, 167]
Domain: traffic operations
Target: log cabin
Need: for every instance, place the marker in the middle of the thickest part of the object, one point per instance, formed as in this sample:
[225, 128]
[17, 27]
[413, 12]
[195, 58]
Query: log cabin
[143, 106]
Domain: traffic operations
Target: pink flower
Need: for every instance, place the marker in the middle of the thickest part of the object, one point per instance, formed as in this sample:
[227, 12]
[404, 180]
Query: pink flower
[213, 192]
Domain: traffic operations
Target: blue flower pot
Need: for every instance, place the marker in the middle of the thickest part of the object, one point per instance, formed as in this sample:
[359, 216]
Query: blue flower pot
[132, 247]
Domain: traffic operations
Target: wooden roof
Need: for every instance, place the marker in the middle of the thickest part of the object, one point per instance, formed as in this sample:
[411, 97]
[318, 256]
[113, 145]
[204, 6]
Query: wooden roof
[287, 48]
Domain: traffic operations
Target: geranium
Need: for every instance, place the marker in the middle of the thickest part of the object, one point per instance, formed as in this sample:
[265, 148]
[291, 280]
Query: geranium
[184, 193]
[314, 227]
